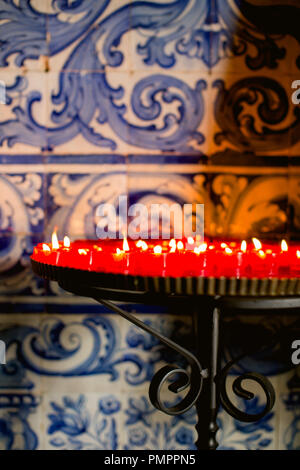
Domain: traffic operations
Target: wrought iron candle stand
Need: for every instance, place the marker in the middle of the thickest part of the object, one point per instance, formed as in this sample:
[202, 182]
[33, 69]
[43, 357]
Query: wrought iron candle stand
[206, 385]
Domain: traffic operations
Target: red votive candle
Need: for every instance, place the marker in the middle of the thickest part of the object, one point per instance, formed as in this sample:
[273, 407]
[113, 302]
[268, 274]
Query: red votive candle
[295, 263]
[283, 261]
[119, 262]
[140, 250]
[80, 258]
[205, 261]
[227, 261]
[174, 258]
[44, 254]
[99, 259]
[241, 260]
[177, 259]
[255, 260]
[189, 264]
[63, 257]
[152, 262]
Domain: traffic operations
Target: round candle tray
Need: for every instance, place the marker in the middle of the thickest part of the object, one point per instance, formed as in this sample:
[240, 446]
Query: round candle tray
[211, 286]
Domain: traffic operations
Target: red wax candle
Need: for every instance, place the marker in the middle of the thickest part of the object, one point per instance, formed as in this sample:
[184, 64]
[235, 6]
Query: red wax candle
[176, 263]
[140, 257]
[80, 258]
[44, 254]
[212, 261]
[295, 263]
[227, 262]
[174, 258]
[256, 264]
[201, 260]
[100, 258]
[119, 262]
[51, 257]
[63, 257]
[270, 263]
[189, 264]
[177, 259]
[241, 260]
[283, 261]
[153, 262]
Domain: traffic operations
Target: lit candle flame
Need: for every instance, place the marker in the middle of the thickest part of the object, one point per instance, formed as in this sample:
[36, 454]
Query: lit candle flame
[190, 240]
[244, 246]
[284, 245]
[119, 252]
[67, 242]
[257, 244]
[97, 248]
[180, 245]
[157, 249]
[201, 248]
[55, 244]
[223, 245]
[298, 253]
[262, 254]
[172, 244]
[228, 250]
[82, 251]
[142, 244]
[46, 247]
[125, 245]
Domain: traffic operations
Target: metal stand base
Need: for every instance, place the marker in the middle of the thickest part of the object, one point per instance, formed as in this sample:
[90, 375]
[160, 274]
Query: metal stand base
[207, 333]
[206, 386]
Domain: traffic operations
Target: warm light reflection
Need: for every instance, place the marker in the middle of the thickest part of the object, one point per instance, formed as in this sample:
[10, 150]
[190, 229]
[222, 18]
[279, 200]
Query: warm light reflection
[257, 244]
[157, 249]
[46, 247]
[298, 253]
[67, 242]
[118, 251]
[82, 251]
[284, 245]
[54, 240]
[262, 254]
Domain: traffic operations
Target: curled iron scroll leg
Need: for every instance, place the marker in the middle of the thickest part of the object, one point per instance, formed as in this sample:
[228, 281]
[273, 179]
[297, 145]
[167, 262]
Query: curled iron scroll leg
[191, 379]
[241, 392]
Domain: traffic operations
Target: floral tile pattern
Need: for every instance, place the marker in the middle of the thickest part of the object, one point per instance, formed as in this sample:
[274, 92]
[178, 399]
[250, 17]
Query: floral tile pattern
[162, 101]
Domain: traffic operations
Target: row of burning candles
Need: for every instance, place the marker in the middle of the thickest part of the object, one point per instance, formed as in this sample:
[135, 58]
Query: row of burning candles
[174, 257]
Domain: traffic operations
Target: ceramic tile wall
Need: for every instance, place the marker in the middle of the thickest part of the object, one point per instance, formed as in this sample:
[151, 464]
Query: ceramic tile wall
[183, 100]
